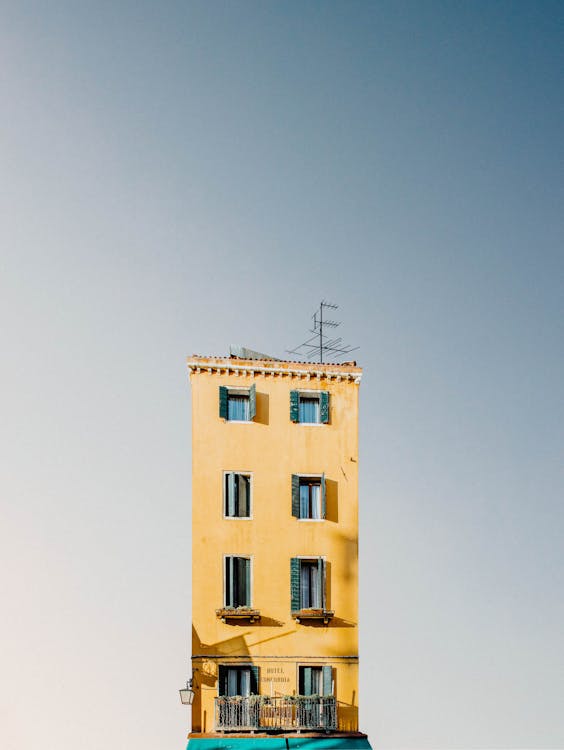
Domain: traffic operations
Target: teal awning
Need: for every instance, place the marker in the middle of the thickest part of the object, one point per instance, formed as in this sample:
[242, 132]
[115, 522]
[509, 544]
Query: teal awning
[279, 743]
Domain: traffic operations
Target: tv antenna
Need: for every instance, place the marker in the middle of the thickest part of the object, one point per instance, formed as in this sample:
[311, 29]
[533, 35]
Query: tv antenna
[321, 345]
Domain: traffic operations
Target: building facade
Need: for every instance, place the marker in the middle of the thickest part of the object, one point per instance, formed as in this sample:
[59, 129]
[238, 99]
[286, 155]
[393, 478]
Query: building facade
[274, 550]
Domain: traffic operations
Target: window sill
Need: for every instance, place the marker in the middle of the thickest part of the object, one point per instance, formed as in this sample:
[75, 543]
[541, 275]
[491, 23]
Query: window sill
[313, 614]
[238, 613]
[314, 520]
[238, 421]
[312, 424]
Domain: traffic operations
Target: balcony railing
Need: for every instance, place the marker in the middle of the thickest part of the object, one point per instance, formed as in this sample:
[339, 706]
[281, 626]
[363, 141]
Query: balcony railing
[290, 714]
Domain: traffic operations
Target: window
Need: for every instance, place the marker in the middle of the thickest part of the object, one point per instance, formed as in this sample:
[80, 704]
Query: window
[237, 495]
[309, 407]
[237, 404]
[237, 581]
[307, 583]
[316, 680]
[238, 680]
[309, 497]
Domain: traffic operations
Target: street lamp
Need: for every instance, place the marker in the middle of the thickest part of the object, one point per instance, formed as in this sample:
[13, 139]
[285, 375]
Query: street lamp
[187, 694]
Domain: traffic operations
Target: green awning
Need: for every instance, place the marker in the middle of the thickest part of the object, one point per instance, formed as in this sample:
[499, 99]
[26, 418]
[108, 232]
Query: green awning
[278, 743]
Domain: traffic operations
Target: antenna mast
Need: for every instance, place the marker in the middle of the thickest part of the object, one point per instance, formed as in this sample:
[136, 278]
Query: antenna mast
[320, 345]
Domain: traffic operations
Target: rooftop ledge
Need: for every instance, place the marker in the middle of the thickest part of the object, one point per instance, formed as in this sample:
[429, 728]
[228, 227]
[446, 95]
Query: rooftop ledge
[238, 613]
[235, 366]
[313, 614]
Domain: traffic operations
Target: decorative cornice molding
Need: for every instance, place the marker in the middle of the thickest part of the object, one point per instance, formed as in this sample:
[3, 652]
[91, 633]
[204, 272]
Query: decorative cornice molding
[197, 366]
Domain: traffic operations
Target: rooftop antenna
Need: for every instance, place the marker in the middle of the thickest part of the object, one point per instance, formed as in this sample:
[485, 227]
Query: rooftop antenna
[320, 345]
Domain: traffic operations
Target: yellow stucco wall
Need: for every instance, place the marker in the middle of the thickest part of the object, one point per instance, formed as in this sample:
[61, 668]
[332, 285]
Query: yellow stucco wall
[272, 448]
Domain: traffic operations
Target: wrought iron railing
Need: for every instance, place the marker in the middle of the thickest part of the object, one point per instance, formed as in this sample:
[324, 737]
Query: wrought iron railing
[289, 713]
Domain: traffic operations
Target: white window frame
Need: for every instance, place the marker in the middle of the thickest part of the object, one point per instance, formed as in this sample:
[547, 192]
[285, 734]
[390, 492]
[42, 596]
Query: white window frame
[224, 496]
[313, 476]
[314, 558]
[251, 576]
[308, 393]
[236, 390]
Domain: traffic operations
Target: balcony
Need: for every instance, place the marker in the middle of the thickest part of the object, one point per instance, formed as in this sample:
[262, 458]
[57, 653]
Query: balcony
[288, 714]
[313, 614]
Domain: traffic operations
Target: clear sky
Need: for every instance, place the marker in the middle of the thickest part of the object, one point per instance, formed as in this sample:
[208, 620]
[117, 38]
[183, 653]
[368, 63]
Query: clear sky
[179, 176]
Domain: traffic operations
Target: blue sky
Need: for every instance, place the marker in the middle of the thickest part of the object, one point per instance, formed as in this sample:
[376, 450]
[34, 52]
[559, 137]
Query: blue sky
[177, 177]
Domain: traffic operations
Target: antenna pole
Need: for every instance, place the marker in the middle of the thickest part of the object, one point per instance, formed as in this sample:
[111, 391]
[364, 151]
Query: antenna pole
[321, 333]
[321, 345]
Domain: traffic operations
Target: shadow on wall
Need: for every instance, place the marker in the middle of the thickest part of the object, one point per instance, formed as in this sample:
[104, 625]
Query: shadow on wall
[263, 408]
[332, 492]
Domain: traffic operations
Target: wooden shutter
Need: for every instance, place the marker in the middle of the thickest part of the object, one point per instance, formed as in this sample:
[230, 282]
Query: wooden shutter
[247, 597]
[254, 680]
[306, 678]
[324, 406]
[294, 406]
[323, 497]
[295, 584]
[327, 680]
[228, 581]
[223, 396]
[321, 569]
[222, 680]
[252, 401]
[295, 496]
[230, 487]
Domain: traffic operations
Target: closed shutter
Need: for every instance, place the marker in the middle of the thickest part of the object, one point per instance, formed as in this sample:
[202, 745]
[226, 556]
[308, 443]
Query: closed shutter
[223, 396]
[222, 680]
[252, 402]
[295, 584]
[294, 406]
[323, 497]
[324, 406]
[327, 680]
[295, 496]
[255, 680]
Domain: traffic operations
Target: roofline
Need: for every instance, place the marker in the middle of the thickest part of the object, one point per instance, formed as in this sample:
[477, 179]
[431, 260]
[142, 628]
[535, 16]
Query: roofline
[308, 370]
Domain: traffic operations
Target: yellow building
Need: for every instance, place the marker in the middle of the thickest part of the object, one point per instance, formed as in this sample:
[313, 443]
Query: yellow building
[274, 553]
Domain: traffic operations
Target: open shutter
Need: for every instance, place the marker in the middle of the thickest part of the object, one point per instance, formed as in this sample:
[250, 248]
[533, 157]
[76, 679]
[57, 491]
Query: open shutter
[254, 680]
[295, 496]
[252, 401]
[231, 489]
[247, 597]
[294, 406]
[223, 402]
[321, 569]
[295, 584]
[323, 497]
[222, 680]
[327, 680]
[307, 687]
[324, 406]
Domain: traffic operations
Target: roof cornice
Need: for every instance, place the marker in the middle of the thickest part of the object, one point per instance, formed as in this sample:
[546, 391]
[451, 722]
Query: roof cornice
[263, 368]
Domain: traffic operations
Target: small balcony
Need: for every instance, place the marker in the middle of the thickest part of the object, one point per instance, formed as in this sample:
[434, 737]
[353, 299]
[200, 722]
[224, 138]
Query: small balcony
[288, 714]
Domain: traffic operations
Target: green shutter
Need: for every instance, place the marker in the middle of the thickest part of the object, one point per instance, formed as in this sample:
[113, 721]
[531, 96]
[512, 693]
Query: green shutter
[321, 569]
[295, 584]
[324, 406]
[307, 687]
[294, 406]
[254, 680]
[247, 583]
[223, 395]
[323, 497]
[327, 680]
[252, 401]
[295, 496]
[222, 680]
[231, 489]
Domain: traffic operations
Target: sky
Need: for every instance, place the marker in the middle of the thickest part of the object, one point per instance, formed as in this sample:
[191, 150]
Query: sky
[177, 177]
